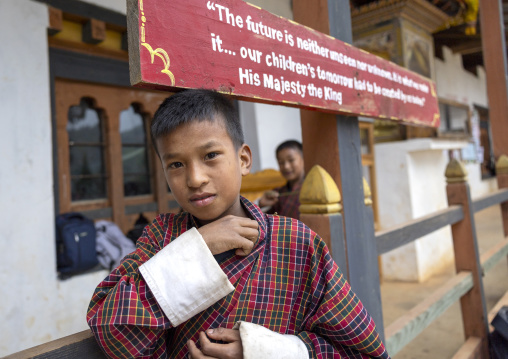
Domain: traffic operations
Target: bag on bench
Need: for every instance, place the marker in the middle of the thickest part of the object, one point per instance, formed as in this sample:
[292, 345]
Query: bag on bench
[75, 238]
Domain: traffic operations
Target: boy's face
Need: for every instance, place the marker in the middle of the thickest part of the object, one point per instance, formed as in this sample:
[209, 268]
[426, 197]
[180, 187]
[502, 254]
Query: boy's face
[291, 164]
[204, 170]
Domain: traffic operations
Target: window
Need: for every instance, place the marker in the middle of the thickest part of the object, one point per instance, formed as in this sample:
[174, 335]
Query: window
[107, 168]
[488, 162]
[455, 119]
[87, 170]
[136, 175]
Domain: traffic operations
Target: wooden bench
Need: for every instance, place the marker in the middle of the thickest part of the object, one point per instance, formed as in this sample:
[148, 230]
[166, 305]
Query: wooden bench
[81, 345]
[255, 184]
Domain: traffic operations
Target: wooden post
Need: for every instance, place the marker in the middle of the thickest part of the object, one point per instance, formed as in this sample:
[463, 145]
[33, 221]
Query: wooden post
[320, 210]
[494, 58]
[326, 137]
[370, 213]
[502, 182]
[467, 258]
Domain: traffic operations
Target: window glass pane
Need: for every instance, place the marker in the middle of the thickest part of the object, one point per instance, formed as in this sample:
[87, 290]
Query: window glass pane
[132, 127]
[458, 119]
[88, 179]
[86, 160]
[88, 188]
[454, 119]
[135, 185]
[84, 124]
[134, 153]
[134, 160]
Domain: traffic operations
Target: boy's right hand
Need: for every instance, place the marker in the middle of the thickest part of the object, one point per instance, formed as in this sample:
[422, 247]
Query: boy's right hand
[230, 232]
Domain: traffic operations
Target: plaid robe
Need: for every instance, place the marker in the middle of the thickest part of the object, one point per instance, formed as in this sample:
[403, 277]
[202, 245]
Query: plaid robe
[288, 284]
[288, 204]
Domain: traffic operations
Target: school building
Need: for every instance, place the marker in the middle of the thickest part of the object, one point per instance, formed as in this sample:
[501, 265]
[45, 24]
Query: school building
[74, 137]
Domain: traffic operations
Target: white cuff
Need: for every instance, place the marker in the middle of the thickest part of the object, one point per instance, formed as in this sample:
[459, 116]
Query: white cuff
[185, 278]
[260, 342]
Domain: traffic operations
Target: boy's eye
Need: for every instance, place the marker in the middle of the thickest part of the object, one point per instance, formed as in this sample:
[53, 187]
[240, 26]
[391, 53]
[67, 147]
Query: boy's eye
[211, 155]
[175, 165]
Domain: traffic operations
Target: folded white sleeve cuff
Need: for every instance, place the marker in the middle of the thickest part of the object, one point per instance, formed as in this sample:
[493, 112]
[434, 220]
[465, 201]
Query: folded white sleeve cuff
[185, 278]
[260, 342]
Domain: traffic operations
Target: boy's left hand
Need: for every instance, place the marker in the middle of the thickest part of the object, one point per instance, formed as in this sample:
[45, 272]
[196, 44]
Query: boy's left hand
[233, 348]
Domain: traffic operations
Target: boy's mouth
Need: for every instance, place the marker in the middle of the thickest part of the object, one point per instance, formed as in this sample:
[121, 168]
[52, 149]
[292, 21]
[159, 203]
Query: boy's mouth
[202, 199]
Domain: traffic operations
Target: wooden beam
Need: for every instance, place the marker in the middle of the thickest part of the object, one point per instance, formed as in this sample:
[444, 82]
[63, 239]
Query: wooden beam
[467, 47]
[94, 31]
[55, 20]
[493, 39]
[490, 199]
[81, 345]
[470, 350]
[408, 326]
[490, 258]
[406, 232]
[502, 302]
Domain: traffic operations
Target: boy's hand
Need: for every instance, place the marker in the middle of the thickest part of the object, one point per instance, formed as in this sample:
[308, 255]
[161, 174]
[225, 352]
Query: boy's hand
[269, 199]
[230, 232]
[233, 348]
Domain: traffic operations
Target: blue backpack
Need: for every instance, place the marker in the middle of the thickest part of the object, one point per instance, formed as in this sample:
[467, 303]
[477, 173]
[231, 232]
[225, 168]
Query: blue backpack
[75, 244]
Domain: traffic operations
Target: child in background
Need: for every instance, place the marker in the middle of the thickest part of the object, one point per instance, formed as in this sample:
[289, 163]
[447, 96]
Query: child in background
[285, 200]
[222, 279]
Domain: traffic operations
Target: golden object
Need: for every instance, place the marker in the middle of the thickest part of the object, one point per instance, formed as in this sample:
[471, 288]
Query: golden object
[367, 193]
[319, 193]
[455, 172]
[502, 165]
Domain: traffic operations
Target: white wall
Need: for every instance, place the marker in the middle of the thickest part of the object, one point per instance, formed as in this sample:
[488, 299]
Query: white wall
[36, 307]
[266, 126]
[455, 83]
[411, 185]
[115, 5]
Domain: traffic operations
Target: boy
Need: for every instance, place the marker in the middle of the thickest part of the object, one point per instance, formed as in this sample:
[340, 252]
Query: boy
[285, 200]
[261, 286]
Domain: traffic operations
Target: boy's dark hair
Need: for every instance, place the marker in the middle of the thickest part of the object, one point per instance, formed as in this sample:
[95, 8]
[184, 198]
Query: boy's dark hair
[196, 105]
[289, 144]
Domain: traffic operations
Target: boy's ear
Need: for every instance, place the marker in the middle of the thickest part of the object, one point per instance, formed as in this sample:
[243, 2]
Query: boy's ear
[245, 155]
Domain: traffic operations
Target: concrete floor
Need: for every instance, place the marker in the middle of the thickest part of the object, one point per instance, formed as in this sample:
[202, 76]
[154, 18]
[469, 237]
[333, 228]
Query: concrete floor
[445, 335]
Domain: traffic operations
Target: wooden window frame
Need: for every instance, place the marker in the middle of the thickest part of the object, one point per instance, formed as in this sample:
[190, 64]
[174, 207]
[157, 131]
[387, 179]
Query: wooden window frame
[466, 135]
[68, 65]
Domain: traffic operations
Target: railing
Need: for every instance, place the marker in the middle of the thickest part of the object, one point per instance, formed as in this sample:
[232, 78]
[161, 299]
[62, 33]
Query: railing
[466, 285]
[321, 211]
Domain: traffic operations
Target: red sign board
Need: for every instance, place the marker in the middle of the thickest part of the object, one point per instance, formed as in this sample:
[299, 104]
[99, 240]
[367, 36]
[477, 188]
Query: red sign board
[237, 48]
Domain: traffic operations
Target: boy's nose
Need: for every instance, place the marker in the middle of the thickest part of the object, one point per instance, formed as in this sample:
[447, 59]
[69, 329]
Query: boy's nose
[196, 176]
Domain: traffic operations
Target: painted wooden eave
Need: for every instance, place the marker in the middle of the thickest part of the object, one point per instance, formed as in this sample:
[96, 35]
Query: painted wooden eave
[419, 12]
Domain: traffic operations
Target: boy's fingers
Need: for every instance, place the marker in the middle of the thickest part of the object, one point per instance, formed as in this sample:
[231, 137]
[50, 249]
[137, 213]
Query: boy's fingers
[209, 348]
[249, 223]
[229, 350]
[226, 335]
[249, 233]
[243, 244]
[195, 353]
[193, 350]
